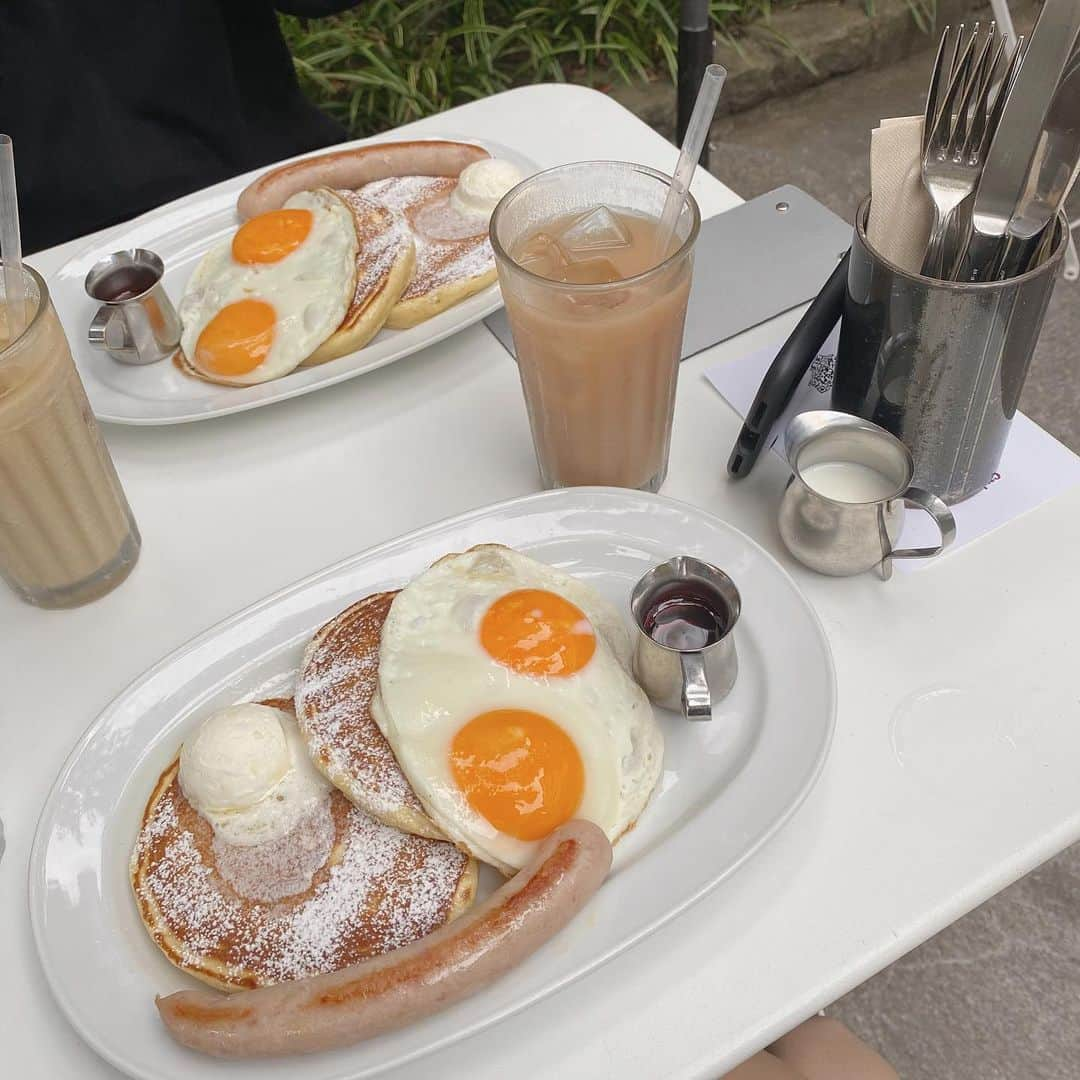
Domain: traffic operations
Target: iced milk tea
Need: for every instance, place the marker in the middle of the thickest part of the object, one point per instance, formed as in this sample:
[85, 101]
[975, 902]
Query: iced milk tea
[597, 319]
[66, 531]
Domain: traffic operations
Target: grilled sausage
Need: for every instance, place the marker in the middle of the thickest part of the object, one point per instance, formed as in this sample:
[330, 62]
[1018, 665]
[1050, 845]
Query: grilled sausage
[325, 1012]
[354, 168]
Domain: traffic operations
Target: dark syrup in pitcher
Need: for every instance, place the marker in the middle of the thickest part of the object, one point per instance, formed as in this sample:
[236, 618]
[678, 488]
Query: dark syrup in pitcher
[686, 617]
[125, 283]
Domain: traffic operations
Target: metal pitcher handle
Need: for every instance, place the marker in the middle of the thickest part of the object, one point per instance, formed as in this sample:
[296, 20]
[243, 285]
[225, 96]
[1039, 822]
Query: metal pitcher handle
[942, 515]
[696, 696]
[109, 330]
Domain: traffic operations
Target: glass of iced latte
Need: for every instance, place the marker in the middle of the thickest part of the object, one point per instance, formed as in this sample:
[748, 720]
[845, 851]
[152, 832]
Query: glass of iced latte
[597, 309]
[67, 535]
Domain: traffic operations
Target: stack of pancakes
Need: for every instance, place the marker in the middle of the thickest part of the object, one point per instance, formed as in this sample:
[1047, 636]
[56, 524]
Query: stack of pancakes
[416, 257]
[454, 258]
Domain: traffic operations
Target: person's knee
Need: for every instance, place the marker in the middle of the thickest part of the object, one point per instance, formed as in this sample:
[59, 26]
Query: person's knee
[824, 1029]
[762, 1066]
[824, 1049]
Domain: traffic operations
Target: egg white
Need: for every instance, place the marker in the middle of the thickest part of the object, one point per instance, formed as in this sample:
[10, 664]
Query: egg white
[310, 289]
[435, 676]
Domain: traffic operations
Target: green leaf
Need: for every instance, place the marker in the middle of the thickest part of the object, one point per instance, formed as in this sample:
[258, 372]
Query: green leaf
[386, 61]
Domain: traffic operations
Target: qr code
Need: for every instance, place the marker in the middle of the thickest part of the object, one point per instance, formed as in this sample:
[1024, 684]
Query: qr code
[821, 372]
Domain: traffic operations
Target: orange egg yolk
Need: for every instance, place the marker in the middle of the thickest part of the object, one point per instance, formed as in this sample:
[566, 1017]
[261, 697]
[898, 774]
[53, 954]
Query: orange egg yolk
[519, 770]
[536, 632]
[237, 339]
[269, 237]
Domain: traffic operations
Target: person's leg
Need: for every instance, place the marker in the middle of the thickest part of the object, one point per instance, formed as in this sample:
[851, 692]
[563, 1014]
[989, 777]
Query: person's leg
[763, 1066]
[823, 1049]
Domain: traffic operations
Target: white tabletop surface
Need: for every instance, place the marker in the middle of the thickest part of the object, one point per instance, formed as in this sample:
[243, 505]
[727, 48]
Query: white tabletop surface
[953, 771]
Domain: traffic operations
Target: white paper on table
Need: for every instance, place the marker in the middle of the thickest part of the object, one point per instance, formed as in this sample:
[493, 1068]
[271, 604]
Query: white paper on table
[1034, 467]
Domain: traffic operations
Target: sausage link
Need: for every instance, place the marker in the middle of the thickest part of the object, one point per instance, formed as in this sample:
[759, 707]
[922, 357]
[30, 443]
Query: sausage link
[386, 992]
[354, 168]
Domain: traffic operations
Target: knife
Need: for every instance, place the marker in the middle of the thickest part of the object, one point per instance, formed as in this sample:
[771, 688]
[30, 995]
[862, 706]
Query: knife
[1001, 185]
[1050, 177]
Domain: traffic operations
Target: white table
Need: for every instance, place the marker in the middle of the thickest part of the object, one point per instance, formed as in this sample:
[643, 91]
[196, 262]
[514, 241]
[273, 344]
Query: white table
[953, 771]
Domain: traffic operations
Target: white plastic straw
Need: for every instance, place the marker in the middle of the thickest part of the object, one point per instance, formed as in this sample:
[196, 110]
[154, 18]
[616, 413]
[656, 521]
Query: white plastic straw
[697, 131]
[10, 247]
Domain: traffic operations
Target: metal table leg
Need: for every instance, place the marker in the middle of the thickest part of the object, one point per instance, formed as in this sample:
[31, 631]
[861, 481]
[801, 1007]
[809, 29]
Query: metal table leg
[695, 55]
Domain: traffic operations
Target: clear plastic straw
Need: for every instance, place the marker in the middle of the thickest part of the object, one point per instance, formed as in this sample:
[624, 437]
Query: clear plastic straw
[10, 248]
[697, 131]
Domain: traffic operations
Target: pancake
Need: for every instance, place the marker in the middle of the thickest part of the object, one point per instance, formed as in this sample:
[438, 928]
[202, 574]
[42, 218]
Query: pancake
[454, 258]
[341, 887]
[337, 680]
[385, 265]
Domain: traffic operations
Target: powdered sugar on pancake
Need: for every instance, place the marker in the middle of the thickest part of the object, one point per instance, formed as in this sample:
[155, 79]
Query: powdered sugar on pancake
[444, 257]
[276, 869]
[439, 220]
[382, 237]
[375, 889]
[403, 194]
[333, 705]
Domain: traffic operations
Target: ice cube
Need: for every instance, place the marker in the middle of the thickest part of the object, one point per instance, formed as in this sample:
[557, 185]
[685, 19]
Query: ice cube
[598, 271]
[542, 255]
[609, 298]
[596, 230]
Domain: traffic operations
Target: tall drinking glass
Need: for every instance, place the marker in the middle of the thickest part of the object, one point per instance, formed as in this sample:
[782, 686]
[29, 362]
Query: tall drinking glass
[597, 316]
[67, 535]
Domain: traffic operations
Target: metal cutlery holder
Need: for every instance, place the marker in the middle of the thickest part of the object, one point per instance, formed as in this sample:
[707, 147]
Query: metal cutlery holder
[940, 364]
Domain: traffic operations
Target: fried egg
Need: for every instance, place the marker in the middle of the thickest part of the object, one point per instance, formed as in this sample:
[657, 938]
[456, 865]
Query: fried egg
[265, 300]
[504, 693]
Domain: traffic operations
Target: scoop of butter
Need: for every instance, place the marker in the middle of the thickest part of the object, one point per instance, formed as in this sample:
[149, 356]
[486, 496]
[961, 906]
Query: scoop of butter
[236, 758]
[248, 774]
[482, 184]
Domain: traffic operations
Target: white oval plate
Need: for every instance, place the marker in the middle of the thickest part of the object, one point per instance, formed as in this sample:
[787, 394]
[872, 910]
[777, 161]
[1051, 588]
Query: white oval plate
[727, 784]
[181, 232]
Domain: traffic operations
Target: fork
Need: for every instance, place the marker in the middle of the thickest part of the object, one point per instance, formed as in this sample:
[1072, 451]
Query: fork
[959, 136]
[940, 79]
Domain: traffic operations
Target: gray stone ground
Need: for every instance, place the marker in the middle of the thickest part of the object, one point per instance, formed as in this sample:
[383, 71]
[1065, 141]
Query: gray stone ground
[996, 996]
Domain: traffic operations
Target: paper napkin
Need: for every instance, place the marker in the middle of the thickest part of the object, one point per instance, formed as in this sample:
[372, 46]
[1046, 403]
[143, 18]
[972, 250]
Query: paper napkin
[901, 213]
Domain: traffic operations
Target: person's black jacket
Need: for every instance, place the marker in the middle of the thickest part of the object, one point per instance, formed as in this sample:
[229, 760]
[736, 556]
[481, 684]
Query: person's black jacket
[115, 106]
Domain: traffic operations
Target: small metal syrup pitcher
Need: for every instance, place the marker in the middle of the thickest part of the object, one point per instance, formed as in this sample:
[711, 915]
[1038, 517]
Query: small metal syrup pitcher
[846, 519]
[685, 612]
[137, 323]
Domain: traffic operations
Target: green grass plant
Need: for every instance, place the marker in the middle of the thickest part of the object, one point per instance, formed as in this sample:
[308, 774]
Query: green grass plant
[386, 62]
